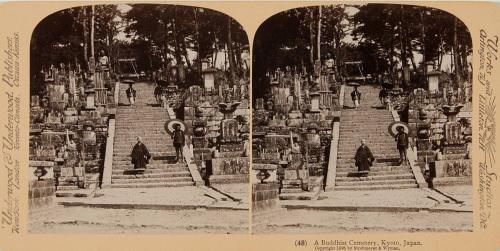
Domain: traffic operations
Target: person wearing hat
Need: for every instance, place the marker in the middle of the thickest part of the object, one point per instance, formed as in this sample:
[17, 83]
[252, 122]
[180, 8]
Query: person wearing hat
[157, 92]
[140, 155]
[382, 95]
[363, 158]
[131, 93]
[179, 141]
[402, 144]
[356, 97]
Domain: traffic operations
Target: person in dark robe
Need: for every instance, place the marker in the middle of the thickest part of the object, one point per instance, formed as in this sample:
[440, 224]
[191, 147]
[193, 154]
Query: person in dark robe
[364, 158]
[140, 155]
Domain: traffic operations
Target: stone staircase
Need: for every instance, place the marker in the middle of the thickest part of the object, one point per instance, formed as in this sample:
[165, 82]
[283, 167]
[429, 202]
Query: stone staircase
[146, 119]
[369, 122]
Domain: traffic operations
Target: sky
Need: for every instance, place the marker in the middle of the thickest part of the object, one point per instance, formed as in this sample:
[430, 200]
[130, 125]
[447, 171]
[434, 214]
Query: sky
[351, 11]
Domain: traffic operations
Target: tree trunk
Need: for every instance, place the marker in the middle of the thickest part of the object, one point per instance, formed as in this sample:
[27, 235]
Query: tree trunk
[85, 40]
[177, 52]
[311, 38]
[197, 37]
[92, 24]
[216, 49]
[422, 34]
[455, 52]
[318, 37]
[238, 59]
[229, 43]
[184, 51]
[465, 64]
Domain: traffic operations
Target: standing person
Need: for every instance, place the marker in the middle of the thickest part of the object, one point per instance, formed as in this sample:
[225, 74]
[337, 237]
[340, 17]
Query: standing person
[179, 141]
[356, 97]
[140, 155]
[131, 94]
[402, 144]
[382, 95]
[364, 158]
[157, 92]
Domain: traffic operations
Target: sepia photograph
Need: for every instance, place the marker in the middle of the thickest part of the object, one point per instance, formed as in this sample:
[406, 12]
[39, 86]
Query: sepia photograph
[361, 121]
[139, 121]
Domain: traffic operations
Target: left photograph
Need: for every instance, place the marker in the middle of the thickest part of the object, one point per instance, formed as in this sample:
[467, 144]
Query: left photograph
[139, 121]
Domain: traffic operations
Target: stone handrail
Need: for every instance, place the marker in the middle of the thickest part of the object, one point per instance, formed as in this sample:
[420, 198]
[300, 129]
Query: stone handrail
[417, 172]
[110, 142]
[108, 158]
[193, 170]
[332, 159]
[334, 144]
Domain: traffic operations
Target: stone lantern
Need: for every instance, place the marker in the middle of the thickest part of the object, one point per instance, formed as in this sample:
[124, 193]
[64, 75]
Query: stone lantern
[423, 131]
[205, 63]
[208, 76]
[433, 81]
[453, 142]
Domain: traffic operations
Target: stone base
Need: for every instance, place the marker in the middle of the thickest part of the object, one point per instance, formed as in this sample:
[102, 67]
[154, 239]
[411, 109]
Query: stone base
[452, 181]
[264, 197]
[231, 166]
[41, 194]
[226, 179]
[453, 168]
[454, 149]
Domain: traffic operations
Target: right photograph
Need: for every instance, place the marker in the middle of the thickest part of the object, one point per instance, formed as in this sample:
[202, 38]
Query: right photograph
[362, 121]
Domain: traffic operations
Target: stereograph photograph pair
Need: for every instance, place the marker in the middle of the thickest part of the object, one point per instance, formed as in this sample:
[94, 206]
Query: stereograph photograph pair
[334, 118]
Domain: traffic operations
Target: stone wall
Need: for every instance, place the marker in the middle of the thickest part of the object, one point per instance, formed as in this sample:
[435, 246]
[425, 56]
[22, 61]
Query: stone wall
[41, 194]
[265, 197]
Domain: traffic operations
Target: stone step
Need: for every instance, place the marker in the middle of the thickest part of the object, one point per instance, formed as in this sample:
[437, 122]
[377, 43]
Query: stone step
[291, 190]
[375, 177]
[380, 143]
[377, 187]
[149, 170]
[153, 185]
[160, 141]
[375, 168]
[128, 150]
[363, 128]
[155, 162]
[295, 182]
[67, 187]
[146, 138]
[297, 196]
[151, 147]
[134, 180]
[163, 153]
[136, 130]
[378, 161]
[170, 158]
[386, 149]
[358, 118]
[345, 172]
[376, 182]
[129, 165]
[146, 114]
[123, 123]
[375, 154]
[354, 138]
